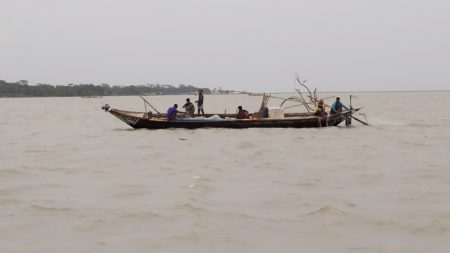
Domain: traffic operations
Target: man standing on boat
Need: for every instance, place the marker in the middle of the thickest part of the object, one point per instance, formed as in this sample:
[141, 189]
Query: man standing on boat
[336, 108]
[200, 102]
[172, 112]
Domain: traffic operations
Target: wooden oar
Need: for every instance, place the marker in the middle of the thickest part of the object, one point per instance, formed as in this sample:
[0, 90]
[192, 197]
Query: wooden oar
[360, 121]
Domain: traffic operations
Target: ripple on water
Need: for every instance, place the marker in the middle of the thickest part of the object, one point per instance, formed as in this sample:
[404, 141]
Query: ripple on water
[438, 228]
[4, 173]
[130, 191]
[327, 211]
[37, 209]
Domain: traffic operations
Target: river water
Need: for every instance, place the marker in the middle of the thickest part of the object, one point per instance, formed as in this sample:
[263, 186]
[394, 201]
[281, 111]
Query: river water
[76, 179]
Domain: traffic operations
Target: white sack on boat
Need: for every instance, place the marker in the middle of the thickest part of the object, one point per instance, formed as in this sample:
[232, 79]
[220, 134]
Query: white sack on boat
[276, 113]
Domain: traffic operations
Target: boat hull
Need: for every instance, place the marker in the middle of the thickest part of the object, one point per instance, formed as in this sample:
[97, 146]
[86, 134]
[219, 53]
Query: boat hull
[137, 120]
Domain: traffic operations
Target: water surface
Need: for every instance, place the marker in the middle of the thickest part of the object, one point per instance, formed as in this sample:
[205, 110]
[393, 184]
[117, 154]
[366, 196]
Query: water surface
[76, 179]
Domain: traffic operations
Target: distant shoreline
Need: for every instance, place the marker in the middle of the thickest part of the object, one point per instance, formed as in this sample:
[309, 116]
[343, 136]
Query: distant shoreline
[185, 94]
[396, 91]
[22, 89]
[383, 91]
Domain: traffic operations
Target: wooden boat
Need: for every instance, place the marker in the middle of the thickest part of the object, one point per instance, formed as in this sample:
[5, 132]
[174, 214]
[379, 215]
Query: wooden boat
[91, 96]
[295, 120]
[264, 118]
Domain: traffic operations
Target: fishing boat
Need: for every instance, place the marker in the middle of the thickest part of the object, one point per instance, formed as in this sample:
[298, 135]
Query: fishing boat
[264, 118]
[91, 96]
[294, 120]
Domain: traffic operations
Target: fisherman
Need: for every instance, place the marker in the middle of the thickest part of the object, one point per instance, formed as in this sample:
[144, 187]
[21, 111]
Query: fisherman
[320, 110]
[200, 102]
[336, 108]
[189, 108]
[242, 114]
[172, 112]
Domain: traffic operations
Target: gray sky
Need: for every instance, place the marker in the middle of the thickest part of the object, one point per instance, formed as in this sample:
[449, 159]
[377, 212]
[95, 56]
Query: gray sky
[256, 45]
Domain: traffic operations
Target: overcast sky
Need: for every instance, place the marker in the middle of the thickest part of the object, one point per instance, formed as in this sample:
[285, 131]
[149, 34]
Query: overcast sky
[258, 45]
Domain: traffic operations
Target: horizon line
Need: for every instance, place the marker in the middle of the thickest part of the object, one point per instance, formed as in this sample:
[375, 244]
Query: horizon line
[357, 91]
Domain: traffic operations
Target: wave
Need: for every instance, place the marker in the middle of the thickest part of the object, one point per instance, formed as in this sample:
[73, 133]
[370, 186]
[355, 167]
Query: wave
[327, 211]
[438, 227]
[39, 209]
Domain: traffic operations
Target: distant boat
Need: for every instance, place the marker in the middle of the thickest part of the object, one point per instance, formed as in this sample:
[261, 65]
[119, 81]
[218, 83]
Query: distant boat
[91, 96]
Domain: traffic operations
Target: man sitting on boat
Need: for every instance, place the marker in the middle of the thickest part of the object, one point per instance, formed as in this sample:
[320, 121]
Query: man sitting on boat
[172, 112]
[242, 114]
[320, 110]
[189, 107]
[336, 108]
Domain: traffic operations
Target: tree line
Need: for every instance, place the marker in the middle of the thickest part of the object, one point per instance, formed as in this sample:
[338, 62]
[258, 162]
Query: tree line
[22, 89]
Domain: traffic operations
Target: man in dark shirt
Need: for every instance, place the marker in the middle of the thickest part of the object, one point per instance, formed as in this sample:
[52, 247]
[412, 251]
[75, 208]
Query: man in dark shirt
[242, 114]
[200, 102]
